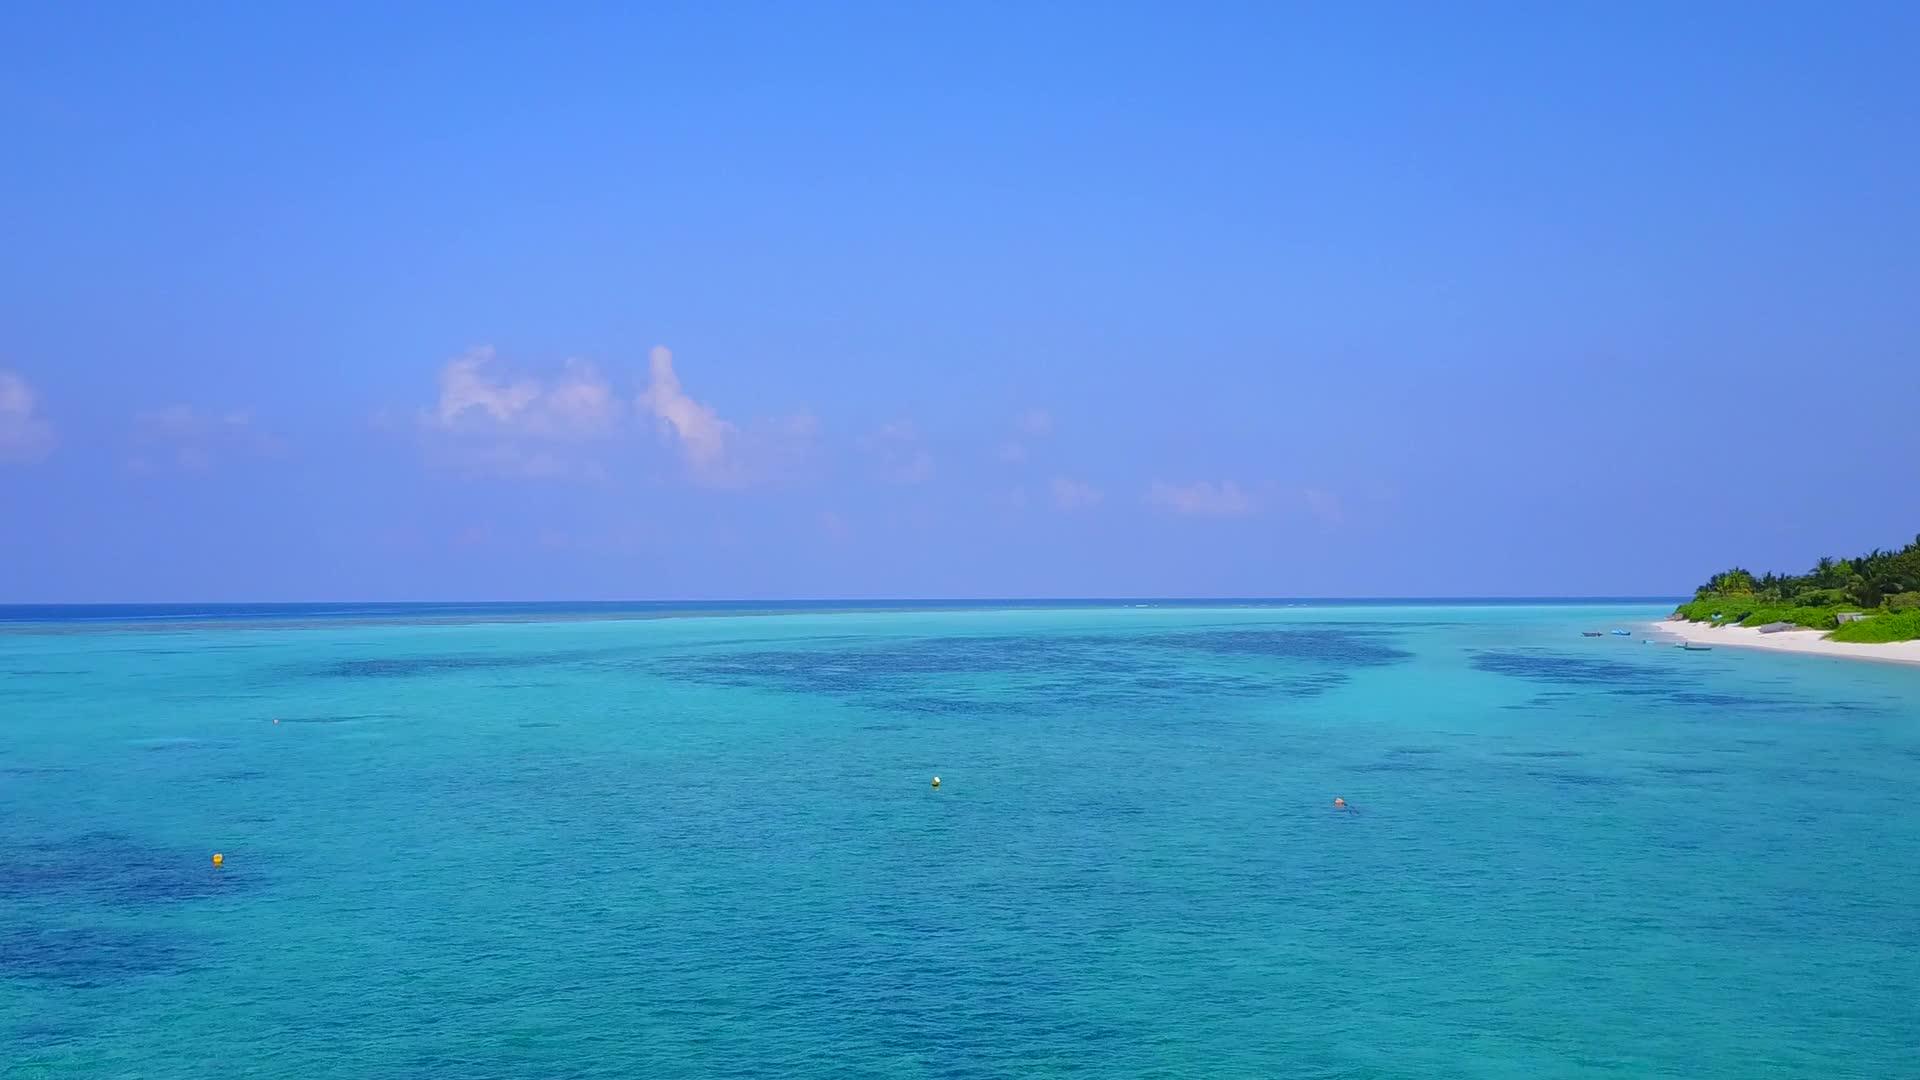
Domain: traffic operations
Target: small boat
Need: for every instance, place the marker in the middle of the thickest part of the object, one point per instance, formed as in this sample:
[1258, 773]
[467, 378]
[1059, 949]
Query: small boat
[1694, 646]
[1590, 633]
[1621, 633]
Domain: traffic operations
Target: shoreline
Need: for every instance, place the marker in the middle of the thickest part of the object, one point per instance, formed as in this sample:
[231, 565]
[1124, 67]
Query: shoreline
[1804, 642]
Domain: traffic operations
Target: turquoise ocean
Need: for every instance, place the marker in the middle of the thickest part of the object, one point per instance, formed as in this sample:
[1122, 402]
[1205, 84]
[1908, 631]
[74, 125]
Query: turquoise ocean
[582, 841]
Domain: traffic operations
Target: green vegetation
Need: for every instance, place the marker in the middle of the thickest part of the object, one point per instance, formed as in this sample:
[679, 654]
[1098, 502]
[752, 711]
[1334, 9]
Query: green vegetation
[1883, 585]
[1753, 611]
[1892, 626]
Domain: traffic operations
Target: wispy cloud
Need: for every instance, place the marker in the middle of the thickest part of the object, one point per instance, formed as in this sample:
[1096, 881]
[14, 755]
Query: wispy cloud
[490, 422]
[1069, 494]
[570, 425]
[718, 452]
[578, 403]
[1201, 499]
[702, 436]
[24, 434]
[190, 439]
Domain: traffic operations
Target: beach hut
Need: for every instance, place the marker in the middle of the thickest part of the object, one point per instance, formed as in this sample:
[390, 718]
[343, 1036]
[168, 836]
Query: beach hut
[1845, 617]
[1776, 627]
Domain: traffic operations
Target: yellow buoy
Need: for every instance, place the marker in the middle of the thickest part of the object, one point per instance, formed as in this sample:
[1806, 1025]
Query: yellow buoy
[936, 781]
[218, 858]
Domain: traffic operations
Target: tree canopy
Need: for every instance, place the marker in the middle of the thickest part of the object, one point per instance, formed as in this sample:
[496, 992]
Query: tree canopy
[1866, 580]
[1882, 584]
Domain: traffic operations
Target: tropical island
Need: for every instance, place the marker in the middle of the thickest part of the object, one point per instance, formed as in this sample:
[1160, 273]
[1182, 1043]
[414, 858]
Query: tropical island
[1871, 599]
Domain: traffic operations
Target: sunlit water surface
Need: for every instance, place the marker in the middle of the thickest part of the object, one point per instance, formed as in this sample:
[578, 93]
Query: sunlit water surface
[708, 846]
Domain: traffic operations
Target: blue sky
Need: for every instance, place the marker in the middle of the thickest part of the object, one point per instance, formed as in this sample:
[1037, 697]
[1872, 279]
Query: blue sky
[881, 300]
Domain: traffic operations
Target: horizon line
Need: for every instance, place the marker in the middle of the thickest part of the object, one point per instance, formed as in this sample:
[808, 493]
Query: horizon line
[1036, 599]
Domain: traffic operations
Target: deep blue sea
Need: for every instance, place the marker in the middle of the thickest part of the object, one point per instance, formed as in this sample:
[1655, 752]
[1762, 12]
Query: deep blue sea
[701, 841]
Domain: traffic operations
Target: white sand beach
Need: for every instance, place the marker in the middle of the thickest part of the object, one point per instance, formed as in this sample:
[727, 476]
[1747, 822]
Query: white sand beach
[1811, 642]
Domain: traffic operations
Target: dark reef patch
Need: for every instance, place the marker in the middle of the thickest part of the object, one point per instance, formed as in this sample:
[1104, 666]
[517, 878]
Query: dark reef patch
[1669, 685]
[1722, 700]
[404, 667]
[401, 667]
[1612, 676]
[1029, 674]
[1343, 647]
[108, 868]
[85, 957]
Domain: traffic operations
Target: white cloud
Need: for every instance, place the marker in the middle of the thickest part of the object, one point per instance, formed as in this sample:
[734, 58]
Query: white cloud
[491, 422]
[495, 422]
[24, 434]
[1202, 499]
[702, 435]
[186, 438]
[1071, 494]
[465, 387]
[578, 403]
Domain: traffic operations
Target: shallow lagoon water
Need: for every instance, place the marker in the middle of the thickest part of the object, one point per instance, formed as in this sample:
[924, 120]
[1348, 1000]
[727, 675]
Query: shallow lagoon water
[707, 846]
